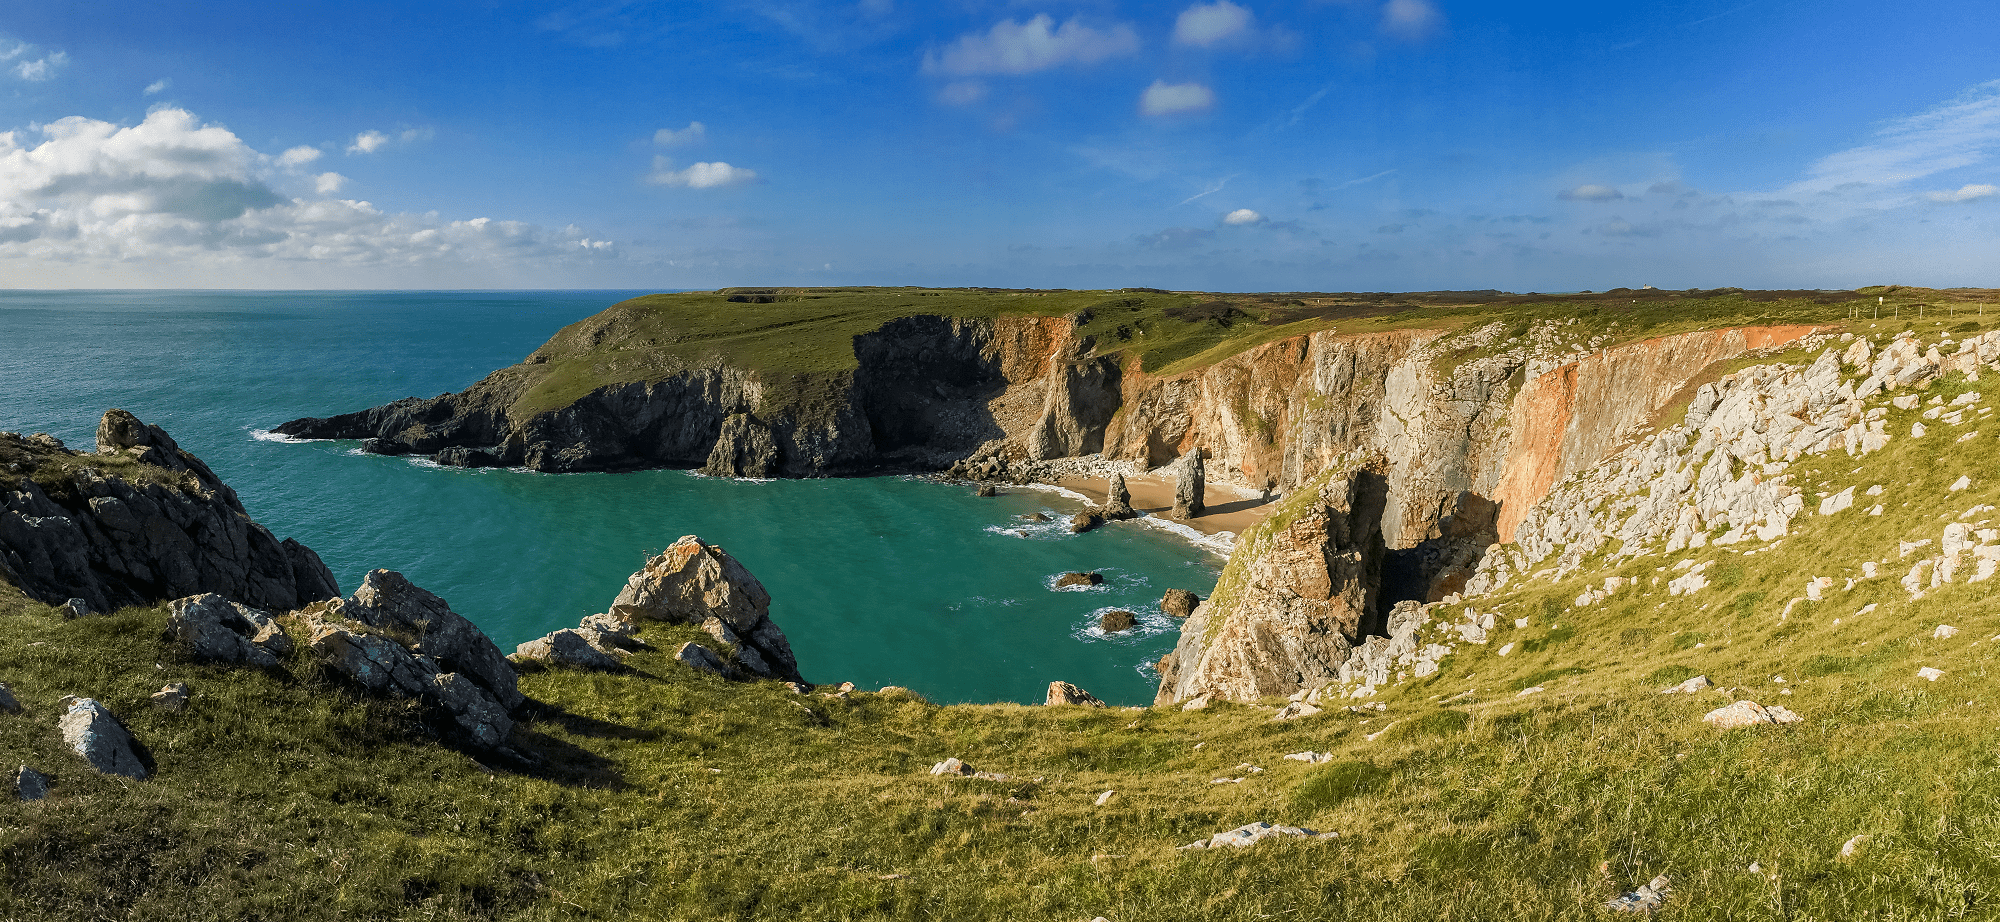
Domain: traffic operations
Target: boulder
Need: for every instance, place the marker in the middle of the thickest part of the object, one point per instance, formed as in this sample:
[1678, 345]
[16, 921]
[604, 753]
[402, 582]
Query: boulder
[1117, 620]
[1749, 714]
[693, 582]
[1646, 899]
[1294, 711]
[210, 628]
[1087, 520]
[956, 768]
[1118, 500]
[1190, 483]
[1092, 578]
[8, 703]
[391, 603]
[1061, 693]
[696, 656]
[172, 698]
[478, 716]
[1697, 684]
[567, 647]
[93, 732]
[1253, 833]
[31, 785]
[1179, 603]
[73, 609]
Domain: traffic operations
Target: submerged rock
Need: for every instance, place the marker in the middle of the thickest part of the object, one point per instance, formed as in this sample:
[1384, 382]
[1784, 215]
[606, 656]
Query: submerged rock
[1063, 693]
[93, 732]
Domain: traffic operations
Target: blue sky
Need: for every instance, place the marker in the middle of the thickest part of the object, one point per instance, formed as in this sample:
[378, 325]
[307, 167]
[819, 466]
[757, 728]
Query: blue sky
[1248, 146]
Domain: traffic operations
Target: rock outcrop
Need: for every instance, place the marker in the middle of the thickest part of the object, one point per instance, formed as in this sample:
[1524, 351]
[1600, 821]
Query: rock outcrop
[1118, 500]
[696, 583]
[1299, 594]
[93, 732]
[213, 629]
[140, 522]
[1179, 603]
[1190, 483]
[1063, 693]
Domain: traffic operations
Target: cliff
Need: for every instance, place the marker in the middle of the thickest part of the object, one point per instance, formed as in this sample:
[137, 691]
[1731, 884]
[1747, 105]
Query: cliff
[137, 522]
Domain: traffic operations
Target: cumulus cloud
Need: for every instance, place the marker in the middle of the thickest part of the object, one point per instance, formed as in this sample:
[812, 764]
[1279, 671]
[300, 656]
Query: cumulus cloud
[158, 86]
[298, 156]
[699, 176]
[172, 190]
[371, 140]
[1163, 98]
[328, 183]
[41, 69]
[1965, 193]
[694, 133]
[1206, 25]
[1590, 193]
[1242, 216]
[1411, 19]
[1028, 47]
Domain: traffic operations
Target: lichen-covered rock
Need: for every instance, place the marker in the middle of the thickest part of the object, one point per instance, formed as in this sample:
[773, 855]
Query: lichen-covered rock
[388, 601]
[1063, 693]
[696, 583]
[466, 708]
[213, 629]
[93, 732]
[376, 663]
[1253, 833]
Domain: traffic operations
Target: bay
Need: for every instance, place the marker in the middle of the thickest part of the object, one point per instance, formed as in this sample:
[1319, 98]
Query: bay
[877, 581]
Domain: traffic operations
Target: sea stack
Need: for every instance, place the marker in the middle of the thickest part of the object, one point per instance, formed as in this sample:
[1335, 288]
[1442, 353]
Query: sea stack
[1189, 484]
[1118, 500]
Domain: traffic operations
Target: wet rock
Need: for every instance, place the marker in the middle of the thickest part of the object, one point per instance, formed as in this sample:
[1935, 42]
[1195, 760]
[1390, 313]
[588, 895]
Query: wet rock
[172, 698]
[1179, 603]
[1118, 500]
[1253, 833]
[389, 447]
[468, 458]
[210, 628]
[31, 785]
[1035, 517]
[1092, 578]
[1190, 483]
[696, 583]
[93, 732]
[1117, 620]
[1087, 520]
[1749, 714]
[1061, 693]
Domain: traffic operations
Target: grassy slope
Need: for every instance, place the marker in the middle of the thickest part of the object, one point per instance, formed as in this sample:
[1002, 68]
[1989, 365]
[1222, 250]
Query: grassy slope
[806, 332]
[678, 796]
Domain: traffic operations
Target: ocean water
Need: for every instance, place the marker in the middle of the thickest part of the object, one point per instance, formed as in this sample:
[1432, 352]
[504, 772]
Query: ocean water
[878, 581]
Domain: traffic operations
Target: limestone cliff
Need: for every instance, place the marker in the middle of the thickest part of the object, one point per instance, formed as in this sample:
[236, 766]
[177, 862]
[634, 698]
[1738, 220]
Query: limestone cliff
[140, 521]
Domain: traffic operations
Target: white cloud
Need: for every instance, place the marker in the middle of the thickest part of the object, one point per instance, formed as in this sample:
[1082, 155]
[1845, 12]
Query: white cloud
[43, 69]
[962, 92]
[1207, 25]
[1027, 47]
[1242, 216]
[328, 183]
[1163, 98]
[1965, 193]
[158, 86]
[173, 192]
[1590, 193]
[1959, 133]
[413, 135]
[368, 142]
[694, 133]
[699, 176]
[298, 156]
[1410, 19]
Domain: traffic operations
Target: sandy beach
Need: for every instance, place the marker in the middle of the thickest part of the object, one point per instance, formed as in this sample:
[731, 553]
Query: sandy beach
[1231, 509]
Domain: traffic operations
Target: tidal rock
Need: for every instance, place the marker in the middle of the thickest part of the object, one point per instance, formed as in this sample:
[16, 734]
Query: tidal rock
[1061, 693]
[8, 703]
[986, 489]
[744, 448]
[1118, 500]
[1087, 520]
[1117, 620]
[1092, 578]
[1035, 517]
[389, 602]
[31, 785]
[93, 732]
[80, 533]
[1190, 483]
[697, 583]
[1749, 714]
[172, 698]
[696, 656]
[1253, 833]
[468, 458]
[1179, 603]
[567, 647]
[389, 447]
[213, 629]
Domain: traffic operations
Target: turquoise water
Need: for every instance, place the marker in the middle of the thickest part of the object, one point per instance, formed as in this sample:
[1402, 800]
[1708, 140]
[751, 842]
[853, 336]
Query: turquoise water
[878, 581]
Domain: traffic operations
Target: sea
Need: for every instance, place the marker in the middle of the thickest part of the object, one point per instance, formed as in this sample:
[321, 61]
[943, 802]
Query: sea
[877, 581]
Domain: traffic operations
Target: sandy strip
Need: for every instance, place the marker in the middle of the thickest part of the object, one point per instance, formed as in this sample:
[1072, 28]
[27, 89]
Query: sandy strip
[1230, 508]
